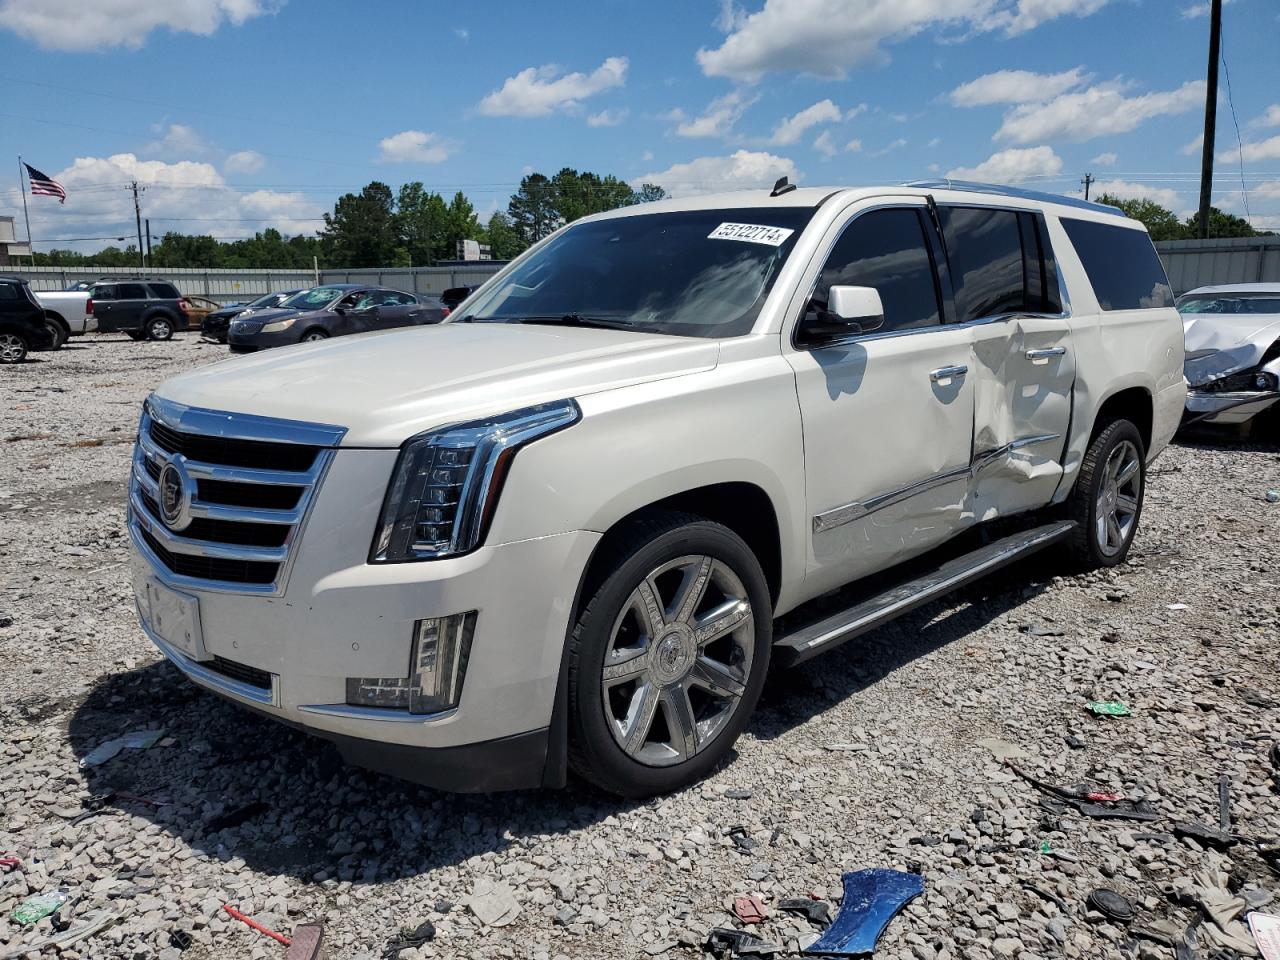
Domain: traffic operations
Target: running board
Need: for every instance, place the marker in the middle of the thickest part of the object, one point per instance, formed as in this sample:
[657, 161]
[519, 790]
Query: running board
[815, 638]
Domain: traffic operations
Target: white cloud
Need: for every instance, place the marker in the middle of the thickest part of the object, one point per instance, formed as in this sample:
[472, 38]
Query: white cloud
[794, 127]
[1193, 146]
[1126, 190]
[1011, 166]
[1271, 118]
[1095, 112]
[829, 37]
[1029, 14]
[738, 171]
[934, 142]
[462, 33]
[1197, 10]
[541, 91]
[717, 119]
[1016, 86]
[413, 146]
[186, 196]
[178, 141]
[96, 24]
[607, 118]
[1105, 160]
[243, 161]
[825, 144]
[1268, 149]
[853, 146]
[889, 147]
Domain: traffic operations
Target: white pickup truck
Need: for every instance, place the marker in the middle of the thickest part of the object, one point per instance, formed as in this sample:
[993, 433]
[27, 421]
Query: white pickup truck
[70, 312]
[572, 526]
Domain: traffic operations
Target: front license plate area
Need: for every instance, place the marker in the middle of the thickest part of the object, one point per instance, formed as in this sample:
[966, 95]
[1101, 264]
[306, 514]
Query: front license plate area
[175, 618]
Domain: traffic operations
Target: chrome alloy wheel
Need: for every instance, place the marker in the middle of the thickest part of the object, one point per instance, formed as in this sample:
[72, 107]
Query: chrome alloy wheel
[678, 660]
[1118, 498]
[12, 349]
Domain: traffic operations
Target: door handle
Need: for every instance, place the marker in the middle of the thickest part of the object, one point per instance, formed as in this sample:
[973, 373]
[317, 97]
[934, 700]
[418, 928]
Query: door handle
[1035, 356]
[948, 373]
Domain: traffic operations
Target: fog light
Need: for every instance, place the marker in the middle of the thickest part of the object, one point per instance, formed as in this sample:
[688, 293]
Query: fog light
[1264, 381]
[437, 668]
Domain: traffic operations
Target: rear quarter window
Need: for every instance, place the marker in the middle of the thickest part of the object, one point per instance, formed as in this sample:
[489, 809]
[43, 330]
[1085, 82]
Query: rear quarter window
[164, 291]
[1122, 265]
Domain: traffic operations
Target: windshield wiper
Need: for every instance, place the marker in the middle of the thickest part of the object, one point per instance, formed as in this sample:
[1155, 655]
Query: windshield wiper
[558, 319]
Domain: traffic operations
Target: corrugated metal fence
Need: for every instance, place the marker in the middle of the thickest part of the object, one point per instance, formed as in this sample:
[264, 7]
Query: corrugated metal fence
[1190, 264]
[230, 286]
[1200, 263]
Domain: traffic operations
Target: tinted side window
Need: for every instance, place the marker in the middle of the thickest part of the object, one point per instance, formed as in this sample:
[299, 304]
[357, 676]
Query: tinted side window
[984, 248]
[9, 291]
[165, 291]
[1122, 265]
[402, 299]
[102, 293]
[884, 249]
[131, 291]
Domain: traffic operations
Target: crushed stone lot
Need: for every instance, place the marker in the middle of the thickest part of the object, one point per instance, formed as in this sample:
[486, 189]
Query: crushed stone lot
[885, 753]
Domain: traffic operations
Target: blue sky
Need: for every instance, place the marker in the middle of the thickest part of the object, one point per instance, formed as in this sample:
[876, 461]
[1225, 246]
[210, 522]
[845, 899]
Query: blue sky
[241, 114]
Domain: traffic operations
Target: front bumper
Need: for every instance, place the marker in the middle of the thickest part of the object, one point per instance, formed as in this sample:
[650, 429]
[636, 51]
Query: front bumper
[338, 616]
[252, 342]
[1228, 407]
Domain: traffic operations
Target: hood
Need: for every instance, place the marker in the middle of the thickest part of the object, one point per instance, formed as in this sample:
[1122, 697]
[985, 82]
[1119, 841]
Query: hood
[385, 387]
[274, 313]
[226, 313]
[1238, 341]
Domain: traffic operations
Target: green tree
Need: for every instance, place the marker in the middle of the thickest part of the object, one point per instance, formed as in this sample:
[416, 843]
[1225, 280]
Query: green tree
[505, 243]
[648, 193]
[421, 223]
[581, 194]
[361, 231]
[463, 224]
[1161, 223]
[532, 209]
[1221, 225]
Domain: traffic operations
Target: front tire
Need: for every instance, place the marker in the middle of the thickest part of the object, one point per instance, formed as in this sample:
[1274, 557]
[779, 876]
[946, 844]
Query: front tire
[314, 336]
[668, 656]
[1106, 502]
[13, 348]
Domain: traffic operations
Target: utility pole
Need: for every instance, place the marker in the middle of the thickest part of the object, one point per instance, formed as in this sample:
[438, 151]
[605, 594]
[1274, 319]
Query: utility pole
[148, 242]
[1210, 115]
[1087, 181]
[137, 212]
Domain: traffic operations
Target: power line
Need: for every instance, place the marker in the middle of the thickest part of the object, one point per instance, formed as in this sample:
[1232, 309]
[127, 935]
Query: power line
[1226, 73]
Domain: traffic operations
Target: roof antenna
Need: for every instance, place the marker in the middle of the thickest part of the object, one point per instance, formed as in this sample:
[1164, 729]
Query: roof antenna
[781, 187]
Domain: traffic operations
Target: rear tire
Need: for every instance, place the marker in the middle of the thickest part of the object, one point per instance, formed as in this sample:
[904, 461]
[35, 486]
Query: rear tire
[13, 348]
[668, 656]
[1106, 502]
[60, 334]
[159, 329]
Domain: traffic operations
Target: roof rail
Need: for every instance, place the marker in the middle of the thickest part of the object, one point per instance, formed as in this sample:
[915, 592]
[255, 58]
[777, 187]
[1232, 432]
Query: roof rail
[1000, 190]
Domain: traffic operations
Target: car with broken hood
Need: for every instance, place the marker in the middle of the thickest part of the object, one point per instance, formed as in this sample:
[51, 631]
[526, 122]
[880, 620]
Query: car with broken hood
[573, 525]
[217, 323]
[1232, 338]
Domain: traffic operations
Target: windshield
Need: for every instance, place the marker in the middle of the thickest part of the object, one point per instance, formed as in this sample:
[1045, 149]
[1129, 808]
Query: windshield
[1210, 303]
[697, 273]
[317, 298]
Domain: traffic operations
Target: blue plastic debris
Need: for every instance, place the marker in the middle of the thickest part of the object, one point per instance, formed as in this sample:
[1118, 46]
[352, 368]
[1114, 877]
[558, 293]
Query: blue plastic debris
[871, 899]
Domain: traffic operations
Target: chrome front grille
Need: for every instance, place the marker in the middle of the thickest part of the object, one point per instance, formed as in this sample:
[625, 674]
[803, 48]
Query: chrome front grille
[251, 483]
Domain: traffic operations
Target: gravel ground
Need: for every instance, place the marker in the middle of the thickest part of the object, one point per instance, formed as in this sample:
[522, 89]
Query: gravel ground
[883, 753]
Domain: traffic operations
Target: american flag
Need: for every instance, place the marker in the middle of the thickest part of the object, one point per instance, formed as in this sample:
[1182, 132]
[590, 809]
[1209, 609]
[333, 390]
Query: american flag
[43, 185]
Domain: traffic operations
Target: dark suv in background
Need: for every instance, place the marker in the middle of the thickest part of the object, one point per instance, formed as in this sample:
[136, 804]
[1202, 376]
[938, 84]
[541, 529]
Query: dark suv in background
[22, 325]
[144, 309]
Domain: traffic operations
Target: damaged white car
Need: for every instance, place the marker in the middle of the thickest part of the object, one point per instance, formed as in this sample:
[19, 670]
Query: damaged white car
[1232, 335]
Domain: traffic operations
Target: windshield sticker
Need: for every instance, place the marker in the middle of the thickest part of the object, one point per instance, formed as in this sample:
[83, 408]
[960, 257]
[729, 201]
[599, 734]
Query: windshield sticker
[751, 233]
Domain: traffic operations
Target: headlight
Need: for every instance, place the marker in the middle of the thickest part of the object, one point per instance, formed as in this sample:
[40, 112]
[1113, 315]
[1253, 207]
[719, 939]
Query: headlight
[447, 482]
[277, 325]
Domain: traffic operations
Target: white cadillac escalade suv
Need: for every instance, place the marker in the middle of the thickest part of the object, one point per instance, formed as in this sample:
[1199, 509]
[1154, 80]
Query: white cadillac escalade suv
[573, 526]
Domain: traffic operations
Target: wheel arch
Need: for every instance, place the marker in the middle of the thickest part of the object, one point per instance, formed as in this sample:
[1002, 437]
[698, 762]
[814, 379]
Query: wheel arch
[58, 319]
[1134, 404]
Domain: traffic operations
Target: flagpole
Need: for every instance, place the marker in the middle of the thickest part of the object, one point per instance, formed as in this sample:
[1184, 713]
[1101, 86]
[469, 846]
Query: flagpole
[26, 216]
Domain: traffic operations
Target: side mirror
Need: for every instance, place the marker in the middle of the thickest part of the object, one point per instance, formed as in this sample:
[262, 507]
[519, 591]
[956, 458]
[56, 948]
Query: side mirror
[858, 307]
